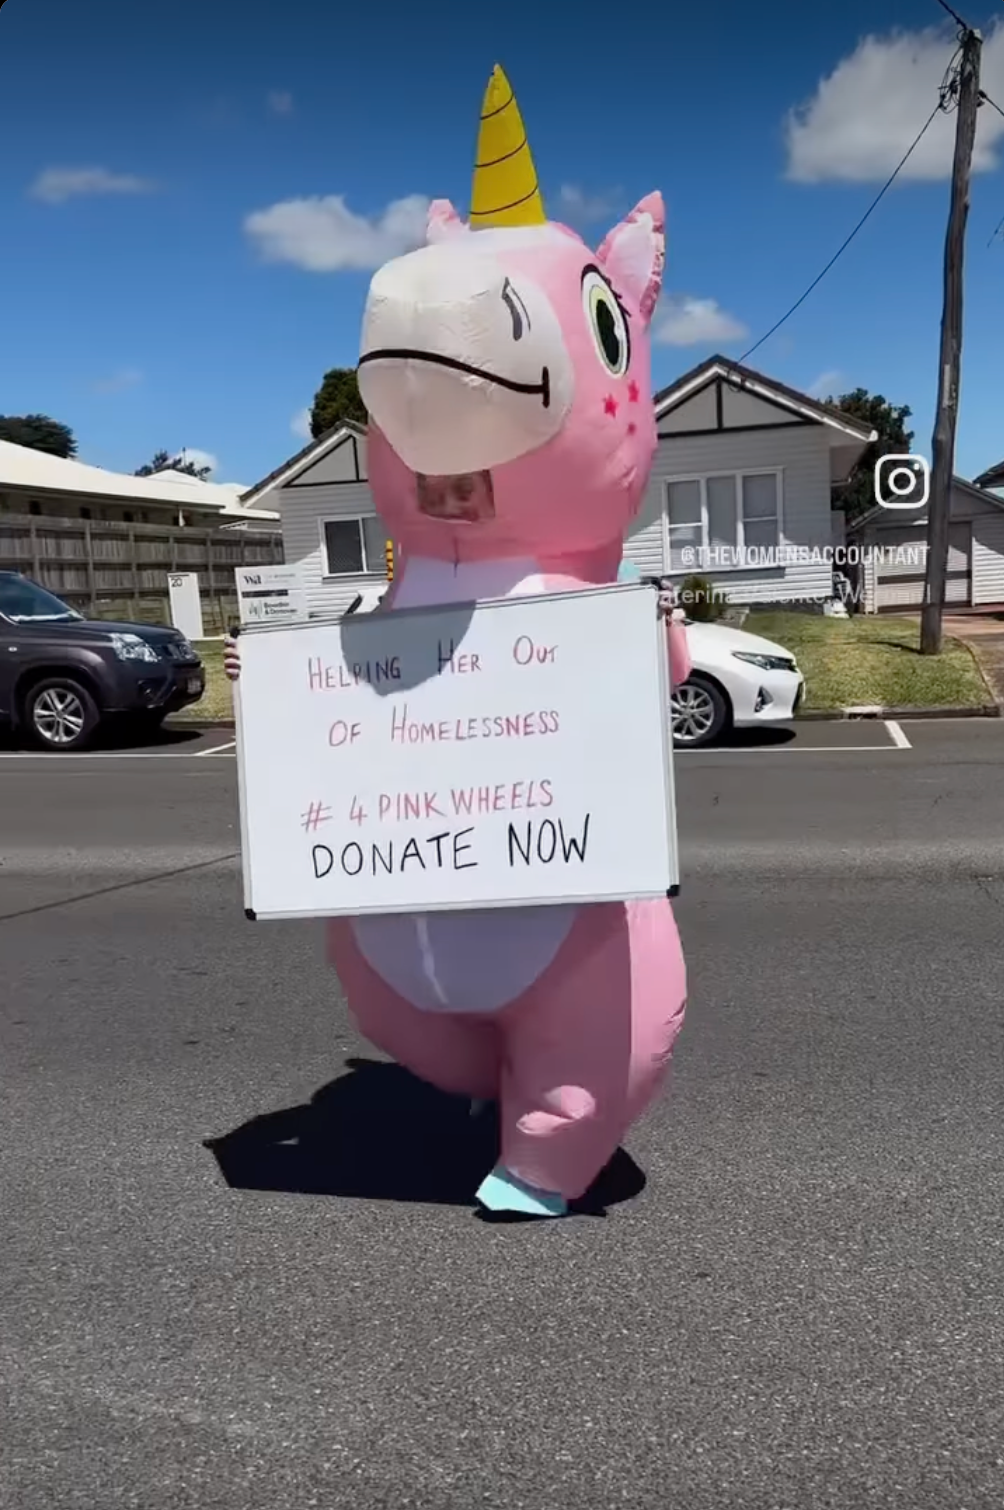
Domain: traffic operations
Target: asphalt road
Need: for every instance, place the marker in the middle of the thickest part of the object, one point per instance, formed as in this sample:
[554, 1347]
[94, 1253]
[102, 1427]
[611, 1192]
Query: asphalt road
[795, 1299]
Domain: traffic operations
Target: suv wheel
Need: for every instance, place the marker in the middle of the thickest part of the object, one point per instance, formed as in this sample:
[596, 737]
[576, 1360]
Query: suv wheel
[700, 713]
[60, 714]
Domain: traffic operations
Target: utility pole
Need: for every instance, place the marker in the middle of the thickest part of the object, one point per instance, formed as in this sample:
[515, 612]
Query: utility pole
[943, 440]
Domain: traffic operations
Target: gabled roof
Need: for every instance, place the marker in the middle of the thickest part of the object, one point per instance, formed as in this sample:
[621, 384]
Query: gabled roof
[23, 467]
[992, 478]
[311, 452]
[902, 517]
[746, 379]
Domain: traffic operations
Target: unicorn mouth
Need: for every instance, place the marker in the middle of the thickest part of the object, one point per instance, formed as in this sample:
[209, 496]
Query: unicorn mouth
[463, 498]
[541, 390]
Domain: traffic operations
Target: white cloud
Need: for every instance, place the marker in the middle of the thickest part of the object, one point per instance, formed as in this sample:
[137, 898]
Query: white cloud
[322, 235]
[56, 185]
[118, 382]
[864, 115]
[300, 424]
[201, 458]
[825, 384]
[576, 204]
[695, 322]
[197, 458]
[280, 102]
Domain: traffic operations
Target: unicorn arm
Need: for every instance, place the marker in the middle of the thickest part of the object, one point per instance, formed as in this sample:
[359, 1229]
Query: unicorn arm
[680, 664]
[386, 602]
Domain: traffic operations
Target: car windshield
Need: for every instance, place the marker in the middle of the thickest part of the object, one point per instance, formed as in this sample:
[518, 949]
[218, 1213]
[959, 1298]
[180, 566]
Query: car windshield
[24, 602]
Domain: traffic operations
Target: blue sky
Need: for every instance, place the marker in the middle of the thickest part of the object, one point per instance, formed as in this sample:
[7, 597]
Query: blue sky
[192, 199]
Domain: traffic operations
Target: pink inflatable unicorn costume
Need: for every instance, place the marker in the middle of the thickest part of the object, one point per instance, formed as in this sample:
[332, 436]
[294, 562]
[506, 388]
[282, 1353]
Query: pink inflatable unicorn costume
[505, 368]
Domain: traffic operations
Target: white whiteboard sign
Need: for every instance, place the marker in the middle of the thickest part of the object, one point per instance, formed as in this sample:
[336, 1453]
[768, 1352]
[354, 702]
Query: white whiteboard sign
[270, 594]
[501, 754]
[185, 604]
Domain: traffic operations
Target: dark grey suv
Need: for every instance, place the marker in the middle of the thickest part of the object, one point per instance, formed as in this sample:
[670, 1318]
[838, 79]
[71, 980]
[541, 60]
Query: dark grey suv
[63, 677]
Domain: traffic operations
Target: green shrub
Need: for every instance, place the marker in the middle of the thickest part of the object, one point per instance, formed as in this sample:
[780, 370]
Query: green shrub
[701, 600]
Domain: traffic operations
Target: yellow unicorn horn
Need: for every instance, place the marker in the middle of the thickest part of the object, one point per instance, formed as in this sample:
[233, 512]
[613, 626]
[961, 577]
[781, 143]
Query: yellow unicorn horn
[505, 189]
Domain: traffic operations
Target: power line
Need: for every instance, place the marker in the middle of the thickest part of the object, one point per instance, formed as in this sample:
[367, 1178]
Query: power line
[986, 100]
[955, 16]
[939, 107]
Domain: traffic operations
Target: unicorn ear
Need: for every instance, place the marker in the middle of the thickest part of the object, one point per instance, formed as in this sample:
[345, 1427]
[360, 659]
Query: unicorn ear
[634, 253]
[443, 223]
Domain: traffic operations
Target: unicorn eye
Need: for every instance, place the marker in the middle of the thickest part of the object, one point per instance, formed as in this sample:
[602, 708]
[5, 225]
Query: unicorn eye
[607, 322]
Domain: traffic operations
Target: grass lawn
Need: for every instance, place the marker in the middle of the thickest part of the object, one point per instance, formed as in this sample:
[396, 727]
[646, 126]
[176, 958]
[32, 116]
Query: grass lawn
[872, 659]
[217, 702]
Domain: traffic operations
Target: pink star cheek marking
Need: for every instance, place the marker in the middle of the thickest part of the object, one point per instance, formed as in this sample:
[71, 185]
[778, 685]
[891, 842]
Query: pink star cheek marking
[610, 406]
[633, 394]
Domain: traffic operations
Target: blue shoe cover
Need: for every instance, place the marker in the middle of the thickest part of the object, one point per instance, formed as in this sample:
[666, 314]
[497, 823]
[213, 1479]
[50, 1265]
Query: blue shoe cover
[502, 1191]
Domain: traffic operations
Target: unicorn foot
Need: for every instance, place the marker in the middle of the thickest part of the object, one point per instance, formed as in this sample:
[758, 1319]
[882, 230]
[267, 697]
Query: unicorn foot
[502, 1191]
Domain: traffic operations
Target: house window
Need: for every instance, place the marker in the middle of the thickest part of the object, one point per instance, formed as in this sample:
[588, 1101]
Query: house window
[712, 522]
[85, 513]
[34, 507]
[353, 547]
[127, 517]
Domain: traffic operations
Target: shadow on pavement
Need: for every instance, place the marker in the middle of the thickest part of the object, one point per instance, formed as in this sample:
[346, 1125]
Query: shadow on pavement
[377, 1133]
[127, 736]
[758, 739]
[123, 737]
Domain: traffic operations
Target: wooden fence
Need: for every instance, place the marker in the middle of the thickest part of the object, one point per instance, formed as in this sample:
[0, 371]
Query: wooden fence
[112, 570]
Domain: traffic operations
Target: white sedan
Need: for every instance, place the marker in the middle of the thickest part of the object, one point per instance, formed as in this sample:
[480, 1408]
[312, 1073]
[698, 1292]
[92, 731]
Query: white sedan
[738, 681]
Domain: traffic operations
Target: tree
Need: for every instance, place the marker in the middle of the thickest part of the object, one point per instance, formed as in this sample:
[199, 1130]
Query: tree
[163, 461]
[858, 494]
[337, 400]
[39, 433]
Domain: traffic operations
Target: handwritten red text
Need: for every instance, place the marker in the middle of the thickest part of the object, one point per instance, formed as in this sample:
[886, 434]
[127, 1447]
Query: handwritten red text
[407, 731]
[400, 807]
[342, 733]
[508, 797]
[460, 665]
[526, 653]
[504, 797]
[324, 678]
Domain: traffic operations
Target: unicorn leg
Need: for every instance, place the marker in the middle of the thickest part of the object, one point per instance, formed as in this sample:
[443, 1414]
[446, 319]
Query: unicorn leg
[586, 1049]
[459, 1055]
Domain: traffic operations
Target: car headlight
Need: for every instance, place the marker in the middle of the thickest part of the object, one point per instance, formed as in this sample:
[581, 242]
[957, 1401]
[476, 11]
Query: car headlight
[129, 647]
[765, 662]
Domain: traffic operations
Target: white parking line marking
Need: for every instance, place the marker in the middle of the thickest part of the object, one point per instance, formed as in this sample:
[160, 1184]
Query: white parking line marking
[60, 760]
[897, 736]
[793, 749]
[218, 749]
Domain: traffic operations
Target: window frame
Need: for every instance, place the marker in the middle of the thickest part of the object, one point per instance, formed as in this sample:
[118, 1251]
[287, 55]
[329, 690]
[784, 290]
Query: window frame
[738, 475]
[368, 569]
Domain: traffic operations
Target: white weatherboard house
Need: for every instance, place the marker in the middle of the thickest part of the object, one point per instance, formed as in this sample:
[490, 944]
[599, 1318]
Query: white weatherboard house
[329, 525]
[741, 485]
[744, 466]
